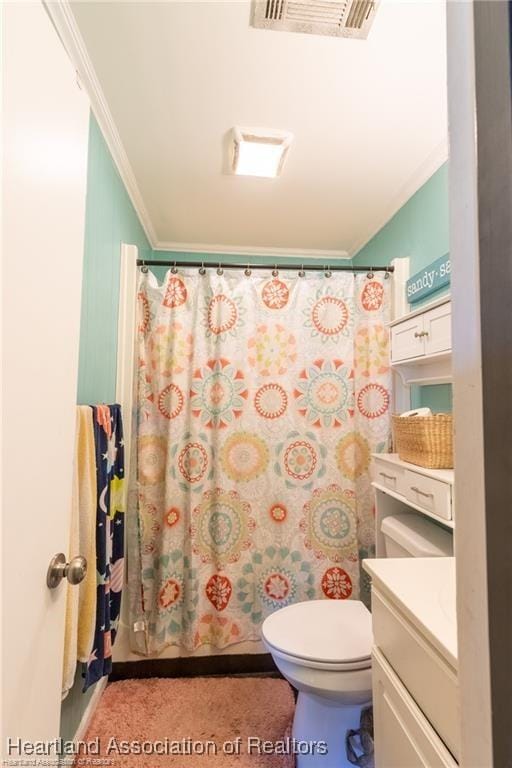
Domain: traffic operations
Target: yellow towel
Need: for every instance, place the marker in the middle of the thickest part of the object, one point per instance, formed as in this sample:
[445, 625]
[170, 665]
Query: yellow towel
[87, 526]
[81, 600]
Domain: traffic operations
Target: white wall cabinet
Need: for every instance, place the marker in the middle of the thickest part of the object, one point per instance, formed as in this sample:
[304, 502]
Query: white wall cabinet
[401, 486]
[428, 494]
[422, 334]
[437, 325]
[407, 339]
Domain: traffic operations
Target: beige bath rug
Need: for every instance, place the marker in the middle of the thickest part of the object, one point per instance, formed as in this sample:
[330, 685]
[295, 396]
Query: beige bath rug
[193, 723]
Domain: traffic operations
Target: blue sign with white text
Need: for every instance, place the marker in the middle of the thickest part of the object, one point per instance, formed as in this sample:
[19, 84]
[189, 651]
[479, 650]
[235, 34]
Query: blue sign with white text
[429, 280]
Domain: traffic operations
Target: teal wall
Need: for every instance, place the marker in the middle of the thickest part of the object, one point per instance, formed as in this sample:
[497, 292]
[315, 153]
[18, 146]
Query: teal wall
[110, 221]
[420, 231]
[437, 397]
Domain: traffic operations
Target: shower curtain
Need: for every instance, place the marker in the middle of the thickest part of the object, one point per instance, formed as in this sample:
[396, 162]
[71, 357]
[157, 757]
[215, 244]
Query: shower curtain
[260, 399]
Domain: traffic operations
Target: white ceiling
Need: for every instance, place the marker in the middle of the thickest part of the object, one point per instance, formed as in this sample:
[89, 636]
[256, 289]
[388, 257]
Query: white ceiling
[369, 118]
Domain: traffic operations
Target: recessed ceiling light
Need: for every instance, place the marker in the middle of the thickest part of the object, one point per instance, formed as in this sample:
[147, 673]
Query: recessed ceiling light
[258, 152]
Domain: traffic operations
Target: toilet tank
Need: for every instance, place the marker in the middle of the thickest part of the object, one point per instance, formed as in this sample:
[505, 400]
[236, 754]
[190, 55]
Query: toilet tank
[412, 535]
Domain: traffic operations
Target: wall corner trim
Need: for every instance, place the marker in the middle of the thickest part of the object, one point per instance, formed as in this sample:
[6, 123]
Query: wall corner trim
[248, 250]
[400, 305]
[64, 22]
[126, 343]
[421, 175]
[90, 710]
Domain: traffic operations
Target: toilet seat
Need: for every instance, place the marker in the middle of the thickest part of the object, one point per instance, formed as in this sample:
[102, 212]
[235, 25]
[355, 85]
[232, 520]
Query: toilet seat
[331, 666]
[322, 634]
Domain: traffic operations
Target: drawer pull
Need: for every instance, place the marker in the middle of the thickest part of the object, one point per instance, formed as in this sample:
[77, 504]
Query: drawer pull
[420, 335]
[387, 477]
[422, 493]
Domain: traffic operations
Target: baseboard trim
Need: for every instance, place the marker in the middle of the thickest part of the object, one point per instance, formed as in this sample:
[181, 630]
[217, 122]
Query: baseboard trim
[196, 666]
[90, 709]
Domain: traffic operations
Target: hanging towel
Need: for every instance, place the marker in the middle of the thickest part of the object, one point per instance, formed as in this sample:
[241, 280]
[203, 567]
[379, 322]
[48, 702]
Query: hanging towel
[87, 529]
[108, 439]
[81, 601]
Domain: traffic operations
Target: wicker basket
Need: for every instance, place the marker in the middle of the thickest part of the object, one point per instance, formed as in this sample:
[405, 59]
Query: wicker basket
[425, 440]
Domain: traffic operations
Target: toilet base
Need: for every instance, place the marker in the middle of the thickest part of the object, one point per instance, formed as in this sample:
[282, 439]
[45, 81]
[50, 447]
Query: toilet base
[321, 720]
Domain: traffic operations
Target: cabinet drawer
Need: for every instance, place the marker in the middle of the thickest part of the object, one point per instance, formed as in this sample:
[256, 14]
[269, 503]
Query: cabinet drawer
[437, 325]
[430, 680]
[403, 736]
[407, 339]
[389, 476]
[431, 495]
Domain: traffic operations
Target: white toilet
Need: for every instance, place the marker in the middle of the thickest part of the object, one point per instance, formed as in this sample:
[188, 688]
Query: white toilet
[323, 647]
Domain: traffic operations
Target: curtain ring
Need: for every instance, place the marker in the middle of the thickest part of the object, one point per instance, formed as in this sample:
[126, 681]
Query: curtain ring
[275, 271]
[174, 268]
[387, 275]
[302, 272]
[220, 271]
[370, 274]
[144, 268]
[202, 270]
[328, 272]
[248, 271]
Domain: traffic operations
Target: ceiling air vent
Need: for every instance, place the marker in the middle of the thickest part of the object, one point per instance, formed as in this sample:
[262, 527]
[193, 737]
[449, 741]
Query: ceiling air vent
[347, 18]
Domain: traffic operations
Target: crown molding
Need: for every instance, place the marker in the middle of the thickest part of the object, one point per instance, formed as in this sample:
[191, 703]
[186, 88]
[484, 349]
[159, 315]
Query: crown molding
[422, 174]
[64, 22]
[243, 250]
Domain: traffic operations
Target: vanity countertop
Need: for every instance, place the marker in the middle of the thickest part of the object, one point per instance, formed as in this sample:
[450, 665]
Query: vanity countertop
[423, 588]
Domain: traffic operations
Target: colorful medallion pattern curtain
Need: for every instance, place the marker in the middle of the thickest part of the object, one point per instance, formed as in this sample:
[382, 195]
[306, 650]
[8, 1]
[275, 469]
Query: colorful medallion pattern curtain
[260, 400]
[109, 448]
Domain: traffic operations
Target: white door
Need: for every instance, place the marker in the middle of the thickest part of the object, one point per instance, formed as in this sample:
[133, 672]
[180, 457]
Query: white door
[45, 132]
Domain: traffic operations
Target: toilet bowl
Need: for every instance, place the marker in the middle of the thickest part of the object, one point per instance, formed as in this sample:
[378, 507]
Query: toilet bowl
[322, 647]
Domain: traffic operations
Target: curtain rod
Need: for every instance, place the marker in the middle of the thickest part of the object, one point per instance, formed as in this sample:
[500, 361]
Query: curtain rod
[248, 265]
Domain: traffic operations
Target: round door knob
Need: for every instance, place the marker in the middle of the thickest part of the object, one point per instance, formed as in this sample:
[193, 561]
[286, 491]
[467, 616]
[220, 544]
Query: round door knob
[75, 571]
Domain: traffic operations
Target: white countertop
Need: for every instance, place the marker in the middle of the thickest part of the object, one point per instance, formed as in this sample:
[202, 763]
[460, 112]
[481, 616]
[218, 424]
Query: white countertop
[423, 588]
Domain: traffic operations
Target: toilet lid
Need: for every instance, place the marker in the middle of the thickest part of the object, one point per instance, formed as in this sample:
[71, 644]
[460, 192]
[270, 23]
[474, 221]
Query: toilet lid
[322, 630]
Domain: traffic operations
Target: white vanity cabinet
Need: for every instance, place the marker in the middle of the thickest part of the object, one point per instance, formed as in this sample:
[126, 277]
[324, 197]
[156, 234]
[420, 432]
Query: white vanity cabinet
[414, 662]
[424, 333]
[403, 737]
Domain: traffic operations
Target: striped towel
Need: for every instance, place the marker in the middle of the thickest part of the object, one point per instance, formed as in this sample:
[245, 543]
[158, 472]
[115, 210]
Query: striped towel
[109, 445]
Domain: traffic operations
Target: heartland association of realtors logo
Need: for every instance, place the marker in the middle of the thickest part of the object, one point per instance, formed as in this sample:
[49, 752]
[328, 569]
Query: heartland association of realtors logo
[431, 279]
[57, 750]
